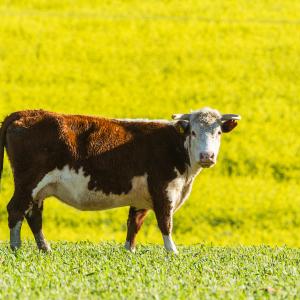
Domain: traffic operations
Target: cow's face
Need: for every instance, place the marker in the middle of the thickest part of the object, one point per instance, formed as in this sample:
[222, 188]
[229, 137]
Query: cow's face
[205, 138]
[204, 129]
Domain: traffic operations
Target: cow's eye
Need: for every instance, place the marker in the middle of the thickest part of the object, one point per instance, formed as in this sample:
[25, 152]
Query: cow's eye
[219, 132]
[193, 133]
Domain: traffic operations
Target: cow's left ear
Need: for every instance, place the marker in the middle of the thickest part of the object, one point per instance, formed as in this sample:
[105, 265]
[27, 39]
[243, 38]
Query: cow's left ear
[229, 125]
[182, 126]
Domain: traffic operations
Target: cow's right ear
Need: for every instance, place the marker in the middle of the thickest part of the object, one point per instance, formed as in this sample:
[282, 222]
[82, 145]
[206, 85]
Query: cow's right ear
[182, 126]
[229, 125]
[229, 122]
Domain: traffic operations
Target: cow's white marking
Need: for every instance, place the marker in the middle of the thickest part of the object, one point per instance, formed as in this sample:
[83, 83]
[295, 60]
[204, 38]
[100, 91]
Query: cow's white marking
[169, 244]
[71, 187]
[28, 211]
[127, 245]
[15, 236]
[174, 190]
[179, 189]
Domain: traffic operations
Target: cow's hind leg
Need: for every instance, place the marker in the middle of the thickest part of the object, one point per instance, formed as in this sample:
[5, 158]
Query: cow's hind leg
[16, 209]
[34, 219]
[135, 220]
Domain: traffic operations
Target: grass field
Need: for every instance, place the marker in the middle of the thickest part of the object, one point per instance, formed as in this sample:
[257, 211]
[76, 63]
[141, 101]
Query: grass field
[107, 271]
[152, 59]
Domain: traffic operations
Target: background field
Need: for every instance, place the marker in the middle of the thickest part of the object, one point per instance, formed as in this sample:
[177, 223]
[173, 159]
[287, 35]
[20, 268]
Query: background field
[155, 58]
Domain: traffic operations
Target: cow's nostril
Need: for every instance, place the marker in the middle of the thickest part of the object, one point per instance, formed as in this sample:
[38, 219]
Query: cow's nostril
[207, 156]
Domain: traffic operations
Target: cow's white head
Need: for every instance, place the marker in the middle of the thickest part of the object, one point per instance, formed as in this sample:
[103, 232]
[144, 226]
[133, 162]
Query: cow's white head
[204, 128]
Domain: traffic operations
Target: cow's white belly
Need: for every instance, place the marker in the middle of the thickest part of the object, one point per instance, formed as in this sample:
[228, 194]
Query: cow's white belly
[71, 187]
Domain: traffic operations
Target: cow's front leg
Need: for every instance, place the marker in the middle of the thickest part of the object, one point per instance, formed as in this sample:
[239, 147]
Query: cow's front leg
[135, 220]
[164, 215]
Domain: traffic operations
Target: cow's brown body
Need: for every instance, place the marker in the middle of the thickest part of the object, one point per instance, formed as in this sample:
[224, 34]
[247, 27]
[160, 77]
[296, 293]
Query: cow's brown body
[112, 152]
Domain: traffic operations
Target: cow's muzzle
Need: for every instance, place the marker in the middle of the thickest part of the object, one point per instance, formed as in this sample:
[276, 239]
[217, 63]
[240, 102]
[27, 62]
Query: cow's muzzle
[207, 159]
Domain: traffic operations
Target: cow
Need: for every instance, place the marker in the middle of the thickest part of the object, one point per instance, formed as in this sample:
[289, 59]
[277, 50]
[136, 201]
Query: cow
[95, 163]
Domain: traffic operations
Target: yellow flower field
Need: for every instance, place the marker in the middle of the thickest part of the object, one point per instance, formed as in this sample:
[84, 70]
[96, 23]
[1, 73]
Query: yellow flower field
[150, 59]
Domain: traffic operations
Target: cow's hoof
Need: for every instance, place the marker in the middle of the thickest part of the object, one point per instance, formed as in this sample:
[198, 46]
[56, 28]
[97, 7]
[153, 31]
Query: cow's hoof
[128, 247]
[175, 252]
[15, 246]
[45, 248]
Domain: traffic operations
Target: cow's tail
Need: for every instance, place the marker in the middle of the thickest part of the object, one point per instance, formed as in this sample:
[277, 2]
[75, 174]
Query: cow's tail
[5, 124]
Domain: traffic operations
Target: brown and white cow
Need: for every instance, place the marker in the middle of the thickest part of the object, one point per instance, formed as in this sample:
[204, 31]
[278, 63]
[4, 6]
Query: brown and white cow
[94, 163]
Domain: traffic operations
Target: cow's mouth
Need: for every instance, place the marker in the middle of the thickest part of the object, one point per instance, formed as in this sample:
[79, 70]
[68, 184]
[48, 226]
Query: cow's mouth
[206, 164]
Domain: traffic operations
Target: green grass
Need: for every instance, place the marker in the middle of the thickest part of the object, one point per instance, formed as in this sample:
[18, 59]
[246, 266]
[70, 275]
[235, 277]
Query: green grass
[88, 271]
